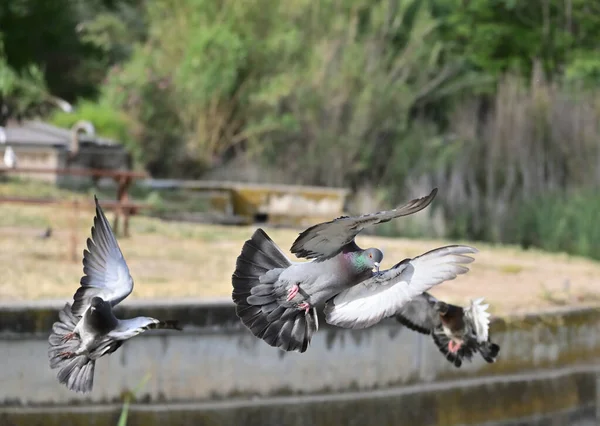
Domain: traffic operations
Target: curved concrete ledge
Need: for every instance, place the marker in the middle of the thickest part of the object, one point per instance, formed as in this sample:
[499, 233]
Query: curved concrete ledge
[565, 396]
[37, 317]
[544, 366]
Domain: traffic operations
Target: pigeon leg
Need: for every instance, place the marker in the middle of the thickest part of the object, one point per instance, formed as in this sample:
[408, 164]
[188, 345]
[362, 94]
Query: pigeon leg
[304, 306]
[453, 347]
[68, 336]
[293, 292]
[67, 354]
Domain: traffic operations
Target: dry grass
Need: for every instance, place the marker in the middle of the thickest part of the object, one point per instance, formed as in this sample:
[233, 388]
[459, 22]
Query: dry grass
[173, 260]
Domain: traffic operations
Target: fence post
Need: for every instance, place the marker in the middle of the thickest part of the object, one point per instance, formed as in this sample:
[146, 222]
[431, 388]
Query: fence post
[74, 223]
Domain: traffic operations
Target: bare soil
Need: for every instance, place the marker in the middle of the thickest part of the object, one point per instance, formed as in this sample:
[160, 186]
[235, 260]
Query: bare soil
[175, 260]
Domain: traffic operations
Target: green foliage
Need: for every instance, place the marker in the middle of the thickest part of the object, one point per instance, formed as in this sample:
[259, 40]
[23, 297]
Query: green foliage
[560, 222]
[108, 122]
[504, 35]
[237, 75]
[211, 64]
[63, 38]
[128, 397]
[21, 93]
[495, 102]
[584, 69]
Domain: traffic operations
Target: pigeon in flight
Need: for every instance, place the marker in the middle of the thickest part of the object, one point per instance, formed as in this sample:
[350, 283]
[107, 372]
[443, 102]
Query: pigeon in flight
[277, 299]
[458, 332]
[88, 329]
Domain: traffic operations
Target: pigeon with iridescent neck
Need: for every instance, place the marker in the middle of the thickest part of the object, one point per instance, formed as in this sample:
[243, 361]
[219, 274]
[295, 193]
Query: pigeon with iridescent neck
[88, 329]
[277, 299]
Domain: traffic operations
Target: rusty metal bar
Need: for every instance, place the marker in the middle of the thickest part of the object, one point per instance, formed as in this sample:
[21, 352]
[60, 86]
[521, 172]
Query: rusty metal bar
[76, 172]
[205, 185]
[109, 204]
[74, 224]
[126, 207]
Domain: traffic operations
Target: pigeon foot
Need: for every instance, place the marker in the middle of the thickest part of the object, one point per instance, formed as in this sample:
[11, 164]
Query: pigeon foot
[68, 337]
[293, 292]
[304, 306]
[66, 355]
[453, 347]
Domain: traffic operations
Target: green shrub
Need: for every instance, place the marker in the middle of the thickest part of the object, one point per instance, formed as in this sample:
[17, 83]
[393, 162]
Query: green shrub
[559, 222]
[108, 122]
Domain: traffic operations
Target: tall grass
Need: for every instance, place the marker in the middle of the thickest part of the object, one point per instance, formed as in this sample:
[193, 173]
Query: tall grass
[519, 164]
[560, 222]
[129, 396]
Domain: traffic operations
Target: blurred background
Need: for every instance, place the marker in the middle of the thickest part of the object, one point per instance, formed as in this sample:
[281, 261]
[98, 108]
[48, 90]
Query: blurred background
[194, 121]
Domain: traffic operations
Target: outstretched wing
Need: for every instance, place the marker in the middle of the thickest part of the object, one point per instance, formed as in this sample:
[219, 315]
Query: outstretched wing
[106, 274]
[420, 314]
[384, 294]
[126, 329]
[479, 317]
[327, 239]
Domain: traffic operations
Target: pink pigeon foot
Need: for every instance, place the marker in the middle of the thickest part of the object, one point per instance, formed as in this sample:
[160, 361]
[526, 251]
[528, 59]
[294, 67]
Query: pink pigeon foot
[67, 354]
[68, 337]
[293, 292]
[453, 346]
[304, 306]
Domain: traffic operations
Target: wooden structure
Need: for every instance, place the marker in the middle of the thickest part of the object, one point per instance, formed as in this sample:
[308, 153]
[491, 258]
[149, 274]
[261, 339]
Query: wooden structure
[122, 206]
[293, 205]
[41, 145]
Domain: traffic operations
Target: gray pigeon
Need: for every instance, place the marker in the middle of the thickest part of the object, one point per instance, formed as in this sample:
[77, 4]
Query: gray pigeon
[89, 330]
[458, 332]
[277, 299]
[386, 293]
[46, 234]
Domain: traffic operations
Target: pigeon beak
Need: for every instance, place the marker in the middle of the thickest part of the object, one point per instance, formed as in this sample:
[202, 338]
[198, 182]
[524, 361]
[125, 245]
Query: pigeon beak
[376, 266]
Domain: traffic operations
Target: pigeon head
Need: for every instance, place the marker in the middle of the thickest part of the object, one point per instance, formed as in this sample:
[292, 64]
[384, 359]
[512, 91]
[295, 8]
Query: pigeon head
[96, 302]
[98, 305]
[99, 316]
[368, 259]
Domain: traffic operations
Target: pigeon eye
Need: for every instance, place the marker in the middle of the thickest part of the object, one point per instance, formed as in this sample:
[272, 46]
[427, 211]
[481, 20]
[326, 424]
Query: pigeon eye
[370, 256]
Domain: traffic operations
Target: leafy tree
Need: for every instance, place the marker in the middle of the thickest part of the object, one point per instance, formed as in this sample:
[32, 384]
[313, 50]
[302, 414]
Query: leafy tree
[72, 42]
[502, 35]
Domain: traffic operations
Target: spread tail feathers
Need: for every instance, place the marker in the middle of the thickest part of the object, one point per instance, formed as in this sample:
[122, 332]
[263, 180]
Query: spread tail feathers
[76, 372]
[257, 270]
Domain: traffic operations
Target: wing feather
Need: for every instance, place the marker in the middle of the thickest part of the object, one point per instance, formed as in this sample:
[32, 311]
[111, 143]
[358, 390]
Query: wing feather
[106, 274]
[126, 329]
[420, 314]
[325, 240]
[385, 294]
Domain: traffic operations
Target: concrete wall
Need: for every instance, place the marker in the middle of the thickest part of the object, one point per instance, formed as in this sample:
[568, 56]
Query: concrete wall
[216, 372]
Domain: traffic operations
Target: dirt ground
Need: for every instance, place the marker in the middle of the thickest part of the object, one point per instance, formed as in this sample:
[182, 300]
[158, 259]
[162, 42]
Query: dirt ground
[177, 260]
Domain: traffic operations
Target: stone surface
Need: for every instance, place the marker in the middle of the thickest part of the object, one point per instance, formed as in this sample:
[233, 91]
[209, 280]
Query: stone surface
[216, 372]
